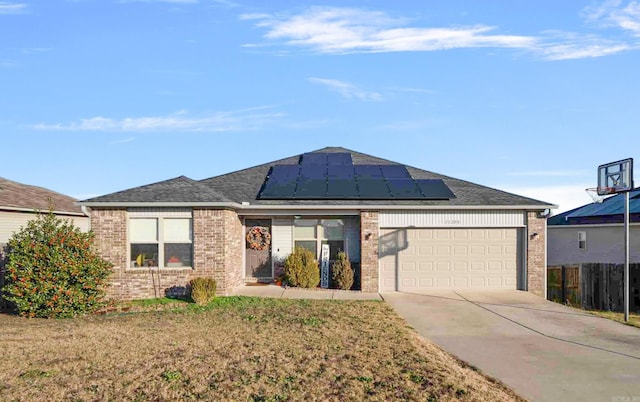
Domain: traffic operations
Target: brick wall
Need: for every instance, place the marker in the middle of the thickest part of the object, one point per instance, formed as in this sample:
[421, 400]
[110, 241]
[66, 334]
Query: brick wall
[369, 251]
[536, 264]
[217, 252]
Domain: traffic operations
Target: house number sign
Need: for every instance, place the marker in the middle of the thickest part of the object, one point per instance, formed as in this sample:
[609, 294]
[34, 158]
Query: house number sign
[324, 267]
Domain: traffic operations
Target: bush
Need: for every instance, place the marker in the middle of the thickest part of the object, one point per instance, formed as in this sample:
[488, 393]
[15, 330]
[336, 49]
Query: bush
[203, 290]
[342, 273]
[52, 272]
[301, 268]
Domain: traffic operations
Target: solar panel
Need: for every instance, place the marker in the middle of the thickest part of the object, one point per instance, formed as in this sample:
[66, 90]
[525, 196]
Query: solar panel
[281, 182]
[341, 189]
[314, 158]
[368, 171]
[311, 188]
[341, 172]
[313, 172]
[395, 172]
[373, 189]
[435, 189]
[339, 159]
[404, 189]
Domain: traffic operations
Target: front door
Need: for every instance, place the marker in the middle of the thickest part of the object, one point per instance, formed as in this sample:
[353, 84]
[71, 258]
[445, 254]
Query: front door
[258, 248]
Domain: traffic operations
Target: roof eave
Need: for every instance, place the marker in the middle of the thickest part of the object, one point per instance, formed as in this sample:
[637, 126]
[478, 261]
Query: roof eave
[163, 204]
[36, 210]
[249, 206]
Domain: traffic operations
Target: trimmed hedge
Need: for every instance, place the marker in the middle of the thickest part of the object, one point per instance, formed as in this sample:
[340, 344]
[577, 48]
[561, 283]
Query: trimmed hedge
[342, 273]
[301, 268]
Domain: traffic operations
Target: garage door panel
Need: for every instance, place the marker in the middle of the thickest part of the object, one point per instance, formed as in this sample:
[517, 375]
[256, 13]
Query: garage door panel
[454, 259]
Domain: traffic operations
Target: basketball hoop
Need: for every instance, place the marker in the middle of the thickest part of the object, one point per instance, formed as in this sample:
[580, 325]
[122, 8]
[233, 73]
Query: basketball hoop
[593, 193]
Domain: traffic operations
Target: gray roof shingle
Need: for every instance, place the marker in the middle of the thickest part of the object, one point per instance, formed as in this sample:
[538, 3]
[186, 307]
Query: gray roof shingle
[244, 186]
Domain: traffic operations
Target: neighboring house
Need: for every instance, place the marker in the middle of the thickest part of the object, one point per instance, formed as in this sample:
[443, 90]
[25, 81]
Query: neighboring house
[594, 233]
[19, 203]
[403, 228]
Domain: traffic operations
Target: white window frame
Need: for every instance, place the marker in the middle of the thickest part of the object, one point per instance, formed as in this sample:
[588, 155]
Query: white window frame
[320, 236]
[582, 240]
[160, 241]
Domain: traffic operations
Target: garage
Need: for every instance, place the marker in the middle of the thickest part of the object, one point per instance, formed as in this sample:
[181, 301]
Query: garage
[422, 259]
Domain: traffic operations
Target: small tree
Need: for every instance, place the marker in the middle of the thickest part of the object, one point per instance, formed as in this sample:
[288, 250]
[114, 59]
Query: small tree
[51, 270]
[341, 272]
[301, 268]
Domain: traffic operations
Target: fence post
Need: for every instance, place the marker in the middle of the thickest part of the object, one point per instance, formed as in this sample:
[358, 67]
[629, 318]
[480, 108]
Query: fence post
[563, 284]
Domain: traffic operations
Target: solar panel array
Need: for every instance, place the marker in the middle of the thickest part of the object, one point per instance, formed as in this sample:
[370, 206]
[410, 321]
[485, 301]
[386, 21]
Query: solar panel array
[333, 176]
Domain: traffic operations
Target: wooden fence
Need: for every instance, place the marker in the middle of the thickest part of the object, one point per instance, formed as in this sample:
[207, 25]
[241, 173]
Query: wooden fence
[594, 286]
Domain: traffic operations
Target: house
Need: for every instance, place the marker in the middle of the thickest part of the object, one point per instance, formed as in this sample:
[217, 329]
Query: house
[403, 228]
[594, 233]
[19, 204]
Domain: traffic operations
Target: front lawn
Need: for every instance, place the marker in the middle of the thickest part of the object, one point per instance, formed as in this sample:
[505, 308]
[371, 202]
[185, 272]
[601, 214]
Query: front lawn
[238, 348]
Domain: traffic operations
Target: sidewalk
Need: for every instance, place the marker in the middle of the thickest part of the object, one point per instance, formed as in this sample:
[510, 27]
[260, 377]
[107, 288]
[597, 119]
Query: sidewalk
[270, 290]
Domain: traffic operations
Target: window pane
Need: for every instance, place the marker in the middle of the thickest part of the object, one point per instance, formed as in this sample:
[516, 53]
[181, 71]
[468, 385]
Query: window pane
[143, 230]
[335, 246]
[177, 255]
[333, 229]
[144, 255]
[305, 229]
[177, 230]
[309, 245]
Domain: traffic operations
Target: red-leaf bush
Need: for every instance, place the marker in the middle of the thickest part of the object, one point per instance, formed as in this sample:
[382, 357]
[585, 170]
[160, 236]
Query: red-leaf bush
[52, 272]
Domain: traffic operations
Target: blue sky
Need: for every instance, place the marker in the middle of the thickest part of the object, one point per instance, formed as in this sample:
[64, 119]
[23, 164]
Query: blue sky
[526, 96]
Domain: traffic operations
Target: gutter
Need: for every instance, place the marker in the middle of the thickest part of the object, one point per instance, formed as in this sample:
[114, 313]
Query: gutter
[248, 206]
[35, 210]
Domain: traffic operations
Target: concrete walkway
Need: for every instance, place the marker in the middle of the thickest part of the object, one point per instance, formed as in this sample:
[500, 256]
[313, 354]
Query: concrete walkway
[269, 290]
[543, 350]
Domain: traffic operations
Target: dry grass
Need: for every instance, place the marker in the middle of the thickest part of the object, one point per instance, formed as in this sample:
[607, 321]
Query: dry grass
[235, 349]
[634, 318]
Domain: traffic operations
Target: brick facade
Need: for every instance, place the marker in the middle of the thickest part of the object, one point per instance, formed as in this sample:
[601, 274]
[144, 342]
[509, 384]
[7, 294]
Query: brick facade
[217, 252]
[369, 251]
[536, 260]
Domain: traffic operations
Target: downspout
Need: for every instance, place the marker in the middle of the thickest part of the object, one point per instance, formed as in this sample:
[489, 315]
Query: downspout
[85, 211]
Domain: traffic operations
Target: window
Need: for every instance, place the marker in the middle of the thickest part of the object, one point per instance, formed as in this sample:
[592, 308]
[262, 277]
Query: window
[582, 240]
[313, 233]
[161, 242]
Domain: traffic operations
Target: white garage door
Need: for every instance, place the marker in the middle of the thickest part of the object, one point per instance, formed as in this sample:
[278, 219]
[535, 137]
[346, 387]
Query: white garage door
[439, 259]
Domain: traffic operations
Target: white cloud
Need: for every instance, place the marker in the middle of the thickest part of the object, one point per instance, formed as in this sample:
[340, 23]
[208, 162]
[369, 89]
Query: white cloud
[347, 90]
[549, 173]
[12, 8]
[565, 196]
[351, 30]
[123, 141]
[568, 46]
[335, 30]
[247, 119]
[615, 13]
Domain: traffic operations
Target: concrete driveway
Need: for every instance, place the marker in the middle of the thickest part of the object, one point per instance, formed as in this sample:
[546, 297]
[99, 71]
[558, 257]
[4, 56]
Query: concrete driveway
[544, 351]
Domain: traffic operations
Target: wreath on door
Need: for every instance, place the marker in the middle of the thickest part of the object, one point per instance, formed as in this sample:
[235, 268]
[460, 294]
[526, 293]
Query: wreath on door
[258, 238]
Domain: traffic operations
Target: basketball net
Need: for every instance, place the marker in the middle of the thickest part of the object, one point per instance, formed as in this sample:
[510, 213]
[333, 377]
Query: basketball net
[593, 193]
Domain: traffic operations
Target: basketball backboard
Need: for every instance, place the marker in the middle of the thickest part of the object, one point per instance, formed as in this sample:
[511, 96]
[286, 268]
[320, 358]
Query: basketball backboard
[615, 177]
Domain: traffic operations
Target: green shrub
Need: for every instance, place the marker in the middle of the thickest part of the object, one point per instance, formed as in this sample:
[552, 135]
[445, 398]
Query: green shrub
[342, 273]
[203, 290]
[52, 271]
[301, 268]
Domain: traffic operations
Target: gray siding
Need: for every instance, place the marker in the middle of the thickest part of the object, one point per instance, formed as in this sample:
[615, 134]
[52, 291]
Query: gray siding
[605, 244]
